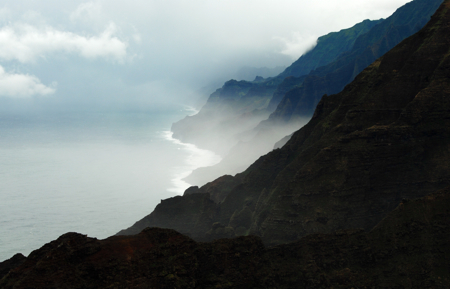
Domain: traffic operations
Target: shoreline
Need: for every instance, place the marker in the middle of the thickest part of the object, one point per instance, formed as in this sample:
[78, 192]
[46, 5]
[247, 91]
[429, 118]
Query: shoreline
[197, 158]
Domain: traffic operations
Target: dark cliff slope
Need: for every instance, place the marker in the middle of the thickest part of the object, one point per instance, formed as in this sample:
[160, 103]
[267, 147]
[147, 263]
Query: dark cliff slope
[408, 249]
[332, 78]
[329, 49]
[385, 137]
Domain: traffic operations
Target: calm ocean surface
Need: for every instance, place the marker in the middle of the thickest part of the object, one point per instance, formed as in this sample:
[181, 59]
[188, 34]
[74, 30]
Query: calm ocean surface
[92, 173]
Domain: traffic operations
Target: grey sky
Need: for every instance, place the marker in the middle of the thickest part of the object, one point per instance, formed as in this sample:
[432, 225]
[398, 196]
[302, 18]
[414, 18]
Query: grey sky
[139, 53]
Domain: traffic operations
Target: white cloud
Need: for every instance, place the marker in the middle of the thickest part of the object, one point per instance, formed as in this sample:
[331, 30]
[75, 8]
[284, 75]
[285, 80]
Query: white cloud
[22, 85]
[297, 45]
[192, 43]
[26, 43]
[86, 11]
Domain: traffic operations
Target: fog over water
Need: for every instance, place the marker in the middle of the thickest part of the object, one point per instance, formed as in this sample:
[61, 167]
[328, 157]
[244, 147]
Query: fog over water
[93, 173]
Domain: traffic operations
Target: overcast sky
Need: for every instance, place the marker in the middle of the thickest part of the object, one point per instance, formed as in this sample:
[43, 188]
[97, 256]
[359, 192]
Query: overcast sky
[141, 54]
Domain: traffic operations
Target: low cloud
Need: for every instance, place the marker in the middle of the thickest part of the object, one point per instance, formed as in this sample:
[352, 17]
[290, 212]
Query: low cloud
[297, 45]
[86, 12]
[26, 43]
[22, 85]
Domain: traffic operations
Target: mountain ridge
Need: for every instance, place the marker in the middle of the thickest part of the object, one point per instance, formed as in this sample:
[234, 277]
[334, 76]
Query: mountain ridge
[407, 249]
[332, 78]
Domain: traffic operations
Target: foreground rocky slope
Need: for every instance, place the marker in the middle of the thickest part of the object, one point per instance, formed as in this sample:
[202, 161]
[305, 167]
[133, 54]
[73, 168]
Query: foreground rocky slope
[384, 138]
[408, 249]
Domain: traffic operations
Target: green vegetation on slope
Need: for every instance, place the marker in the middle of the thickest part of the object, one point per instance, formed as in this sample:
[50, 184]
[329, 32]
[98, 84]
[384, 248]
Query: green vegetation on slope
[328, 48]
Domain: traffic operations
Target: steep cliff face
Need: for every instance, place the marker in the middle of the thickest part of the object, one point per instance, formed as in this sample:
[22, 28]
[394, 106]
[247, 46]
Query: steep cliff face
[384, 138]
[331, 78]
[408, 249]
[328, 48]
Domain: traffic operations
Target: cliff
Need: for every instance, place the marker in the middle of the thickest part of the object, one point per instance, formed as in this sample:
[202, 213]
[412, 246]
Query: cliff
[408, 249]
[384, 138]
[328, 48]
[301, 100]
[293, 101]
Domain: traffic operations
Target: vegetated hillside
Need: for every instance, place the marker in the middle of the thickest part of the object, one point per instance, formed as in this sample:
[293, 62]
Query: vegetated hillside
[384, 138]
[408, 249]
[328, 48]
[365, 42]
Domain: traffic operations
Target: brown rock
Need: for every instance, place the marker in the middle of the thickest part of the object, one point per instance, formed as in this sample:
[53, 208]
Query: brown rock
[408, 249]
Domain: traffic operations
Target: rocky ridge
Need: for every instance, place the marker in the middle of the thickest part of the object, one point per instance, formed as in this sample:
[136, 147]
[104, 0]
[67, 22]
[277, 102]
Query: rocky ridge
[408, 249]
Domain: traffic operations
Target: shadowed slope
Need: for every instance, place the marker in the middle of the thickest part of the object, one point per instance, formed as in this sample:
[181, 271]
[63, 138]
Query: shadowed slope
[301, 101]
[408, 249]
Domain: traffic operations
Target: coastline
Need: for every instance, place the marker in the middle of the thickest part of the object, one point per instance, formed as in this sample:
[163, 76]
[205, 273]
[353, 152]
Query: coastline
[196, 158]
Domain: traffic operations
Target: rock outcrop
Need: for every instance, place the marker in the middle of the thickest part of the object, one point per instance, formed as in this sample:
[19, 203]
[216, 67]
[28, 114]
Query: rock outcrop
[408, 249]
[384, 138]
[11, 263]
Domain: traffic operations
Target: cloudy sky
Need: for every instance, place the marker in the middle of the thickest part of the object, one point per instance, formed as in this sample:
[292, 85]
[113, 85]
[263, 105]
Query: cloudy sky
[140, 54]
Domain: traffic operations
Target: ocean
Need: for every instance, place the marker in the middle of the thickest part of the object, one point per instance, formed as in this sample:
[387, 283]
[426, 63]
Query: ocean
[91, 173]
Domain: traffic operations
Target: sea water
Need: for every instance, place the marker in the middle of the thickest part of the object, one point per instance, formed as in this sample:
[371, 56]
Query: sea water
[92, 173]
